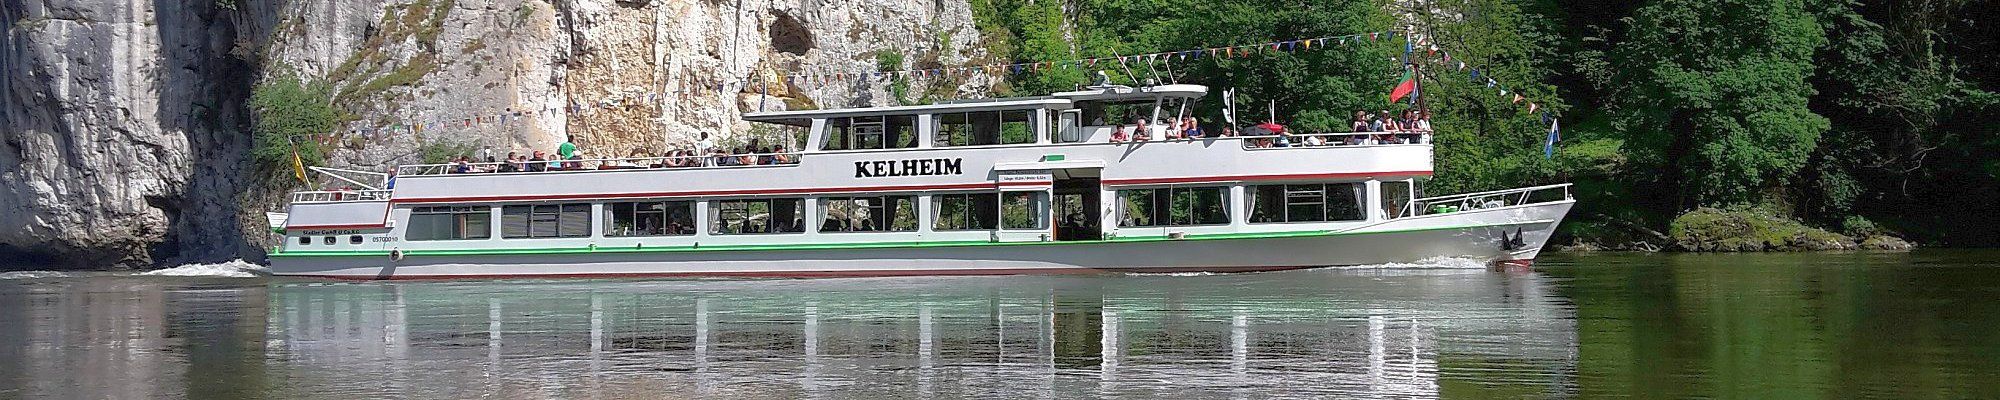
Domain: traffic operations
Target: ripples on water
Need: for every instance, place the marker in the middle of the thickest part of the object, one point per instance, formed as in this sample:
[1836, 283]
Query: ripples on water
[1397, 331]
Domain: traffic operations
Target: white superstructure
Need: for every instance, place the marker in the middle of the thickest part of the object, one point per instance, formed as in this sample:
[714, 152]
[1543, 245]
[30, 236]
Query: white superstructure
[989, 187]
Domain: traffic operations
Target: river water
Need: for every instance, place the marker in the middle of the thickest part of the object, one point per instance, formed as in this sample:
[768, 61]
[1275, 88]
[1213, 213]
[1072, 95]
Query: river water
[1919, 325]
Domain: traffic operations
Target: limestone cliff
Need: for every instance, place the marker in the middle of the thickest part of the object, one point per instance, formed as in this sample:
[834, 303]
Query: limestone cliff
[124, 135]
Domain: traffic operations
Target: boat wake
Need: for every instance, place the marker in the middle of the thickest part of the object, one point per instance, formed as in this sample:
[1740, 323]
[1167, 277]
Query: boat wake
[227, 269]
[1428, 263]
[25, 275]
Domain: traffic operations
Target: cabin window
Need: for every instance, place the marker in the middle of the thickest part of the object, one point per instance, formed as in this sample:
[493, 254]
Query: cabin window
[868, 214]
[1176, 206]
[876, 132]
[354, 239]
[449, 223]
[305, 240]
[967, 211]
[328, 240]
[1395, 197]
[1308, 202]
[649, 218]
[985, 128]
[545, 221]
[1024, 210]
[739, 217]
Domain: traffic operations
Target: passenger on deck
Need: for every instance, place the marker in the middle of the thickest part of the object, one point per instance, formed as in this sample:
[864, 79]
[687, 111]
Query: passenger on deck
[537, 163]
[567, 148]
[575, 162]
[1173, 129]
[746, 156]
[1360, 122]
[1191, 128]
[1118, 134]
[1141, 131]
[463, 165]
[513, 163]
[703, 147]
[780, 156]
[390, 182]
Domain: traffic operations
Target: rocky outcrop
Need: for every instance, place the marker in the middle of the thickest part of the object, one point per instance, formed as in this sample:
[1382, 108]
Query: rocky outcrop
[651, 74]
[123, 131]
[120, 131]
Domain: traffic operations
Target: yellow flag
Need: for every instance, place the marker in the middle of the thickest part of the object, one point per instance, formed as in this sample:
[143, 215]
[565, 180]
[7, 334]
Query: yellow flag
[299, 167]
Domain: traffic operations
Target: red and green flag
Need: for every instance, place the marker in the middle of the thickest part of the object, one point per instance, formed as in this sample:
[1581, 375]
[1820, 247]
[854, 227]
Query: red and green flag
[1404, 87]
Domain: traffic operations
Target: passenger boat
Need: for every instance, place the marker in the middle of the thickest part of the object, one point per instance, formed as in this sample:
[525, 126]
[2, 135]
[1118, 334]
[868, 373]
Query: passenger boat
[1004, 186]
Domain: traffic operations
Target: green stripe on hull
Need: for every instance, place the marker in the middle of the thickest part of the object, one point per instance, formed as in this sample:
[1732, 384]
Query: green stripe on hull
[850, 246]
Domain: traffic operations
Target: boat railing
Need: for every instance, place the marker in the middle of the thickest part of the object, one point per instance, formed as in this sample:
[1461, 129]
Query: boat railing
[603, 164]
[332, 196]
[1335, 139]
[1485, 200]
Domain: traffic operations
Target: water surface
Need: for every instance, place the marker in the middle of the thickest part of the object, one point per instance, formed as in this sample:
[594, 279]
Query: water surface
[1922, 325]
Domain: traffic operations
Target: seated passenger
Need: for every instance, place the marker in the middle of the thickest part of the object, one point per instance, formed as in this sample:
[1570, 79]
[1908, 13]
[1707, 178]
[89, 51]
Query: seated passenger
[536, 163]
[1192, 128]
[1118, 134]
[1315, 140]
[1375, 124]
[463, 165]
[1141, 131]
[1173, 129]
[513, 163]
[1360, 122]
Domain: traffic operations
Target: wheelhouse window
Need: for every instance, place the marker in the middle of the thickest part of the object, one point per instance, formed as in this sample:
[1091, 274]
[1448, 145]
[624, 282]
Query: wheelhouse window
[985, 128]
[539, 221]
[1024, 210]
[965, 211]
[1175, 206]
[758, 216]
[874, 132]
[1308, 202]
[449, 223]
[868, 214]
[649, 218]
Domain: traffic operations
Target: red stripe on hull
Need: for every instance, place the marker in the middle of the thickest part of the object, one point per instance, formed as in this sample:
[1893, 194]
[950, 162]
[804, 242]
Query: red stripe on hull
[818, 274]
[1342, 175]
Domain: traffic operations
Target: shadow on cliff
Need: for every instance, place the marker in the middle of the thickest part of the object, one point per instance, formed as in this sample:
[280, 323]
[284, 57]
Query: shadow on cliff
[206, 48]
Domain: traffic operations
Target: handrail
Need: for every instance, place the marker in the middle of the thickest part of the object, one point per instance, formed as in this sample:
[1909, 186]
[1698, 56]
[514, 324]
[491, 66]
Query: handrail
[332, 196]
[1479, 200]
[1366, 139]
[1530, 188]
[595, 164]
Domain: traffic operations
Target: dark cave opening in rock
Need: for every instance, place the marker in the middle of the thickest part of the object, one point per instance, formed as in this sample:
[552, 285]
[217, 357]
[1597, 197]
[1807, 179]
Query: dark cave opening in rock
[790, 36]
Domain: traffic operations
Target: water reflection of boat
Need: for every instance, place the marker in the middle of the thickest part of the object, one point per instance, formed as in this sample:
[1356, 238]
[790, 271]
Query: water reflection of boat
[789, 340]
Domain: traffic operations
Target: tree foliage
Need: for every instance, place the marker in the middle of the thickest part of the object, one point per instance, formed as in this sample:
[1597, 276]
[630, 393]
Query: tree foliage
[292, 116]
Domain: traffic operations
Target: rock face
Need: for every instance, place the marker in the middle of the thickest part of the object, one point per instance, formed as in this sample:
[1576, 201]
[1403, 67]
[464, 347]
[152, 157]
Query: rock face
[119, 131]
[124, 138]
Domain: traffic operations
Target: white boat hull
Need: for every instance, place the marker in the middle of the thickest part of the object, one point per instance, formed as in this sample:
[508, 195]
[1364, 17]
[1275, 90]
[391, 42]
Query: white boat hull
[1510, 235]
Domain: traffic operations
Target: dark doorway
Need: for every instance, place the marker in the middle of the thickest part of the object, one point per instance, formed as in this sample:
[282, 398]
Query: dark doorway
[1077, 206]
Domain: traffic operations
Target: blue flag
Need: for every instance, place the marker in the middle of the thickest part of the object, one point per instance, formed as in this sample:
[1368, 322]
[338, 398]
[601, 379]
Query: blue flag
[1555, 134]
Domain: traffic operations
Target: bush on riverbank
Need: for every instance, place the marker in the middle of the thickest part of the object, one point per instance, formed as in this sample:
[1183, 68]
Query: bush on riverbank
[1757, 229]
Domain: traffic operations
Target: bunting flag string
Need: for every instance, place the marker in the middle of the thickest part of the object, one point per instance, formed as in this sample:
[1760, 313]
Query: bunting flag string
[819, 75]
[1442, 57]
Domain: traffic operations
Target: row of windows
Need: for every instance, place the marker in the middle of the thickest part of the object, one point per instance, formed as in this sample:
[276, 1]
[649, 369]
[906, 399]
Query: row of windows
[974, 211]
[953, 129]
[1209, 205]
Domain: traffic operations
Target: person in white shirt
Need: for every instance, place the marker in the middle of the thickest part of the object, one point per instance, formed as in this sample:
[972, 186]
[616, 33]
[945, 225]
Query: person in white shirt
[704, 146]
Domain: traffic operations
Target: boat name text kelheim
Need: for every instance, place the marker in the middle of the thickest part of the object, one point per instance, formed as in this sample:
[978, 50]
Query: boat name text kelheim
[935, 166]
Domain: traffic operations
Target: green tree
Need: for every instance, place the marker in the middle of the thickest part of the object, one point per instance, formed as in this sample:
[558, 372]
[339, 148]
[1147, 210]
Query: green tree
[292, 116]
[1714, 96]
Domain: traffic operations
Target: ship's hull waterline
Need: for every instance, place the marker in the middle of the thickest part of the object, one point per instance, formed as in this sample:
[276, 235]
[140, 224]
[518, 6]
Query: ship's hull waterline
[1509, 236]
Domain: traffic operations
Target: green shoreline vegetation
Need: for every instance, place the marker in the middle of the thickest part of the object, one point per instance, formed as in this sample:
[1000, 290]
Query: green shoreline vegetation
[1693, 125]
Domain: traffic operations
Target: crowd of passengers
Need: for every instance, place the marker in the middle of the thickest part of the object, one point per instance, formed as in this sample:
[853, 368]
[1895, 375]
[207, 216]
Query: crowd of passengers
[1364, 128]
[569, 157]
